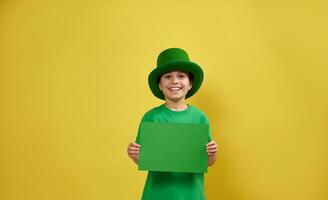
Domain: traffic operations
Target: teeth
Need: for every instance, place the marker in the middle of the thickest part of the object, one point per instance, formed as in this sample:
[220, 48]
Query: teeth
[175, 89]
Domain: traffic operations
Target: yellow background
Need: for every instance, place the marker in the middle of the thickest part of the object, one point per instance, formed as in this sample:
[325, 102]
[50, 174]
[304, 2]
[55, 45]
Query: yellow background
[73, 86]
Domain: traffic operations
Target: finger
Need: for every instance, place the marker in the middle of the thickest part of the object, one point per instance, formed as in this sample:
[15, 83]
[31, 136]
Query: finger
[211, 143]
[134, 156]
[130, 151]
[133, 148]
[212, 151]
[134, 144]
[131, 145]
[133, 152]
[212, 147]
[211, 154]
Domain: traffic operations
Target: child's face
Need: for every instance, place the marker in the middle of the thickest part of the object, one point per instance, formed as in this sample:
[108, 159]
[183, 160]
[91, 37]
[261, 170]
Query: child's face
[175, 85]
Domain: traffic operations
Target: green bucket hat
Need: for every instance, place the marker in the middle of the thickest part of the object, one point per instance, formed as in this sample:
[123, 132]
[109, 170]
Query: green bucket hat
[173, 59]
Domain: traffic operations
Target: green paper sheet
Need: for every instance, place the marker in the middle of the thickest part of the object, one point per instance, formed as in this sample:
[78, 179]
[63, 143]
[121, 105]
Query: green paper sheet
[173, 147]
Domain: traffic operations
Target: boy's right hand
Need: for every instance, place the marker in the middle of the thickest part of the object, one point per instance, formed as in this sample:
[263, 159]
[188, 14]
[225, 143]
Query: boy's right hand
[133, 151]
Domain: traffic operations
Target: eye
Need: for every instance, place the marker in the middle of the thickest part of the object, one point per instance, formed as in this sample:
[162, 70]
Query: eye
[182, 76]
[167, 76]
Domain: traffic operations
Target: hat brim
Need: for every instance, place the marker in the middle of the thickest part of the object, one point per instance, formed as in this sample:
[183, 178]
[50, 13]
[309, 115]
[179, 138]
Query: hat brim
[186, 66]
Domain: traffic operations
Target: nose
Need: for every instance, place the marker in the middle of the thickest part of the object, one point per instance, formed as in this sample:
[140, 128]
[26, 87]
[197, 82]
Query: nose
[175, 79]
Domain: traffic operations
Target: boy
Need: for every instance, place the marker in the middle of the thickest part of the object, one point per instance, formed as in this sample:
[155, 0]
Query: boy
[174, 79]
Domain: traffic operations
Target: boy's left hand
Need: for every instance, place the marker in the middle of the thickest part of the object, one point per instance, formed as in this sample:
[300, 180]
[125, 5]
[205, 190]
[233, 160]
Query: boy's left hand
[211, 148]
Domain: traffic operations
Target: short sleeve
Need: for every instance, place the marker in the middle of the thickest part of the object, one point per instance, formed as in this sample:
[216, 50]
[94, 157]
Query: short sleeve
[138, 135]
[206, 121]
[209, 132]
[145, 118]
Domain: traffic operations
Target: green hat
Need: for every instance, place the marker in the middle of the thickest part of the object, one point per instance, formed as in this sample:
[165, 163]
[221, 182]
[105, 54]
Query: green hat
[173, 59]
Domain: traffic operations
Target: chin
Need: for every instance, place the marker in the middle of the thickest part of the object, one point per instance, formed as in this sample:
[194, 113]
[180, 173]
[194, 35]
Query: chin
[175, 99]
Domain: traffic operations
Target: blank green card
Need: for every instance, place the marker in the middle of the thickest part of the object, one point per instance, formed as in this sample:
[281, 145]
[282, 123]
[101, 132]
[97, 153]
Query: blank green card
[173, 147]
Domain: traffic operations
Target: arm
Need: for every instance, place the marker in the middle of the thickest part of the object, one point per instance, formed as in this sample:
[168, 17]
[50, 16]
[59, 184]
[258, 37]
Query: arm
[133, 152]
[211, 149]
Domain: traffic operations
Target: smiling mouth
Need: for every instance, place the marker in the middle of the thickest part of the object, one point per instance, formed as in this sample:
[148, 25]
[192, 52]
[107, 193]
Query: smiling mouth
[175, 89]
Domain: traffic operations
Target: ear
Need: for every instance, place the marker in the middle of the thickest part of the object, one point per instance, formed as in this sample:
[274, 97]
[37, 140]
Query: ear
[190, 85]
[159, 86]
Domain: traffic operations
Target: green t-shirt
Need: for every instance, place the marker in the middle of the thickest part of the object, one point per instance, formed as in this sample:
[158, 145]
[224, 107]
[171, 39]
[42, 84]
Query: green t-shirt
[173, 185]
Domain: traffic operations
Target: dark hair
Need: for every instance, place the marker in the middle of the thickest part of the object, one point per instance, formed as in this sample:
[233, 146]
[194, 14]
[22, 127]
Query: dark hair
[190, 76]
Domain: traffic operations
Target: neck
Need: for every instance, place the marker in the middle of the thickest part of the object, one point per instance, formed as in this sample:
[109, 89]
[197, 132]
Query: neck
[176, 106]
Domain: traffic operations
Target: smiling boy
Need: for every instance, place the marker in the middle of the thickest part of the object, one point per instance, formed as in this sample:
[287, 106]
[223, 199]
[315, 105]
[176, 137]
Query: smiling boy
[174, 80]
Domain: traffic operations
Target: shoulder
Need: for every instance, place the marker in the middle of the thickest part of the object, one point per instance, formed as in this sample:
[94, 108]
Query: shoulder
[149, 115]
[199, 113]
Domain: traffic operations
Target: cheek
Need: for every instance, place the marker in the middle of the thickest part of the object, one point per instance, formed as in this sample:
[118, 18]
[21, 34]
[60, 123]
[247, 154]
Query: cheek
[161, 85]
[189, 85]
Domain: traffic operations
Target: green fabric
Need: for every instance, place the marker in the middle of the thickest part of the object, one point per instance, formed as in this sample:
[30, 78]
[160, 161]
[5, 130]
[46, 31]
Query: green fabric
[174, 185]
